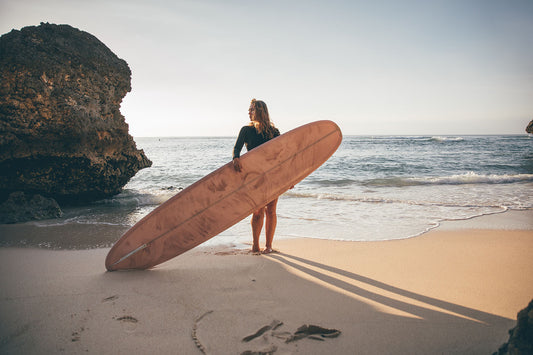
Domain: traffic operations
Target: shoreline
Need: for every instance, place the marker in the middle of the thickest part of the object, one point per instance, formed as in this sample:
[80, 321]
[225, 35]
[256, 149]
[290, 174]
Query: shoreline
[74, 236]
[505, 220]
[452, 290]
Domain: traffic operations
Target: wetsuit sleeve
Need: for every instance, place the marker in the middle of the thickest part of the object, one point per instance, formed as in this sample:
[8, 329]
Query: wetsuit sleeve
[239, 143]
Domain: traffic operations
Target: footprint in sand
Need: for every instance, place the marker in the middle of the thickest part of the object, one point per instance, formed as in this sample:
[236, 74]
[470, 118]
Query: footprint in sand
[310, 331]
[129, 323]
[110, 298]
[75, 336]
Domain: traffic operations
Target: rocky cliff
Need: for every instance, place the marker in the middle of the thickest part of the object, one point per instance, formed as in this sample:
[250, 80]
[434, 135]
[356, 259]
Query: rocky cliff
[62, 133]
[529, 128]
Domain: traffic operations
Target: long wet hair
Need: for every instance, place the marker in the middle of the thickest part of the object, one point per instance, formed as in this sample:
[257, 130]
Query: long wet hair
[261, 120]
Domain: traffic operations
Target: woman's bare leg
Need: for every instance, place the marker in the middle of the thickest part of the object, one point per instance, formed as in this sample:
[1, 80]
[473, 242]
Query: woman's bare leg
[271, 222]
[257, 225]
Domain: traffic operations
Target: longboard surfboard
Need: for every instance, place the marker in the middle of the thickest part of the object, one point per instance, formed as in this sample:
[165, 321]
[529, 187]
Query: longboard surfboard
[225, 197]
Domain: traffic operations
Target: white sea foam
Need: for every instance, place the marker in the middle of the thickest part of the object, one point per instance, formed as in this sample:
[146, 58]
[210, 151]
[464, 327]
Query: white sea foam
[459, 179]
[384, 200]
[472, 178]
[446, 139]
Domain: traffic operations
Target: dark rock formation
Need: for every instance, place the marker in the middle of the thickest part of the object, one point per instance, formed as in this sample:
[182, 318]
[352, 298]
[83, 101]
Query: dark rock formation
[520, 337]
[19, 208]
[61, 131]
[529, 128]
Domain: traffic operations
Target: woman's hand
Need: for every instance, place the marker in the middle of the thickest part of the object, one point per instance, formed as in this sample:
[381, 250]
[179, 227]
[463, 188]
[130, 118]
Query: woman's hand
[237, 164]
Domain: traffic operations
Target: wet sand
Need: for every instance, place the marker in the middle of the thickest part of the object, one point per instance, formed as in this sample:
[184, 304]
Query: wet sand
[454, 290]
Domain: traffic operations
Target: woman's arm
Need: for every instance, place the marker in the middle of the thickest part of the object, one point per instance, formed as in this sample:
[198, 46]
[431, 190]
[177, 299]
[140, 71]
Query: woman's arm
[239, 143]
[237, 149]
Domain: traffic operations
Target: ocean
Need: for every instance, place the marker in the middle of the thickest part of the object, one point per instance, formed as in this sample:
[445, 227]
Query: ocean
[373, 188]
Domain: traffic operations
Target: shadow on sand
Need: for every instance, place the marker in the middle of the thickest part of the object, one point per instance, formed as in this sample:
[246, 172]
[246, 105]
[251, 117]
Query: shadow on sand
[447, 309]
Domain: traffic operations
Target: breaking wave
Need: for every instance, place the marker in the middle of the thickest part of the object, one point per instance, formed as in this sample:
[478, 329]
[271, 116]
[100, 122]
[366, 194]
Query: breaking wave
[461, 179]
[440, 139]
[383, 200]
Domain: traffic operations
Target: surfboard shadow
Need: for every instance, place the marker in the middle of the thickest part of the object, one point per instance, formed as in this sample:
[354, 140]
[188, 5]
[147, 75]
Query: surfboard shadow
[420, 311]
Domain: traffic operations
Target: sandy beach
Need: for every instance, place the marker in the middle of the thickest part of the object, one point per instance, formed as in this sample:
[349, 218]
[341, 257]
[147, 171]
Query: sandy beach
[454, 290]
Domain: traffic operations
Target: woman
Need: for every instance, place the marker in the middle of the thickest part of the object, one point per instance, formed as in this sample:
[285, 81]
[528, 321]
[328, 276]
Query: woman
[259, 131]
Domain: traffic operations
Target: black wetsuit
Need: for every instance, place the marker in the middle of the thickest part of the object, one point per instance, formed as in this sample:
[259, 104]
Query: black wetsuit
[249, 136]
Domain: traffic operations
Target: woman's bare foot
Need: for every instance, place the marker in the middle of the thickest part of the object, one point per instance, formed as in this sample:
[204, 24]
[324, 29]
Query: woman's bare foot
[268, 251]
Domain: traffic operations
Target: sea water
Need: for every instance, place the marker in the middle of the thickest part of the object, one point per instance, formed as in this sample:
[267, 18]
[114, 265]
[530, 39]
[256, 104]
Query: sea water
[372, 188]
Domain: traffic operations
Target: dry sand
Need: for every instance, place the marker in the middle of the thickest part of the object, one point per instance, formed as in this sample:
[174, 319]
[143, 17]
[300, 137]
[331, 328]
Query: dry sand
[450, 291]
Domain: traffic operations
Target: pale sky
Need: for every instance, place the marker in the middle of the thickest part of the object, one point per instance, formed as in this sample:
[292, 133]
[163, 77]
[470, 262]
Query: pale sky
[375, 67]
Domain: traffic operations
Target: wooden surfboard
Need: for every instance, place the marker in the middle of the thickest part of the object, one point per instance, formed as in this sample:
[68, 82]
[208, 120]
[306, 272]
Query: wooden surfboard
[225, 197]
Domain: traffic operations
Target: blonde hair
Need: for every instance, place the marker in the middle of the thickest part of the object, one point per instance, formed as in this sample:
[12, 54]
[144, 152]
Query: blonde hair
[261, 120]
